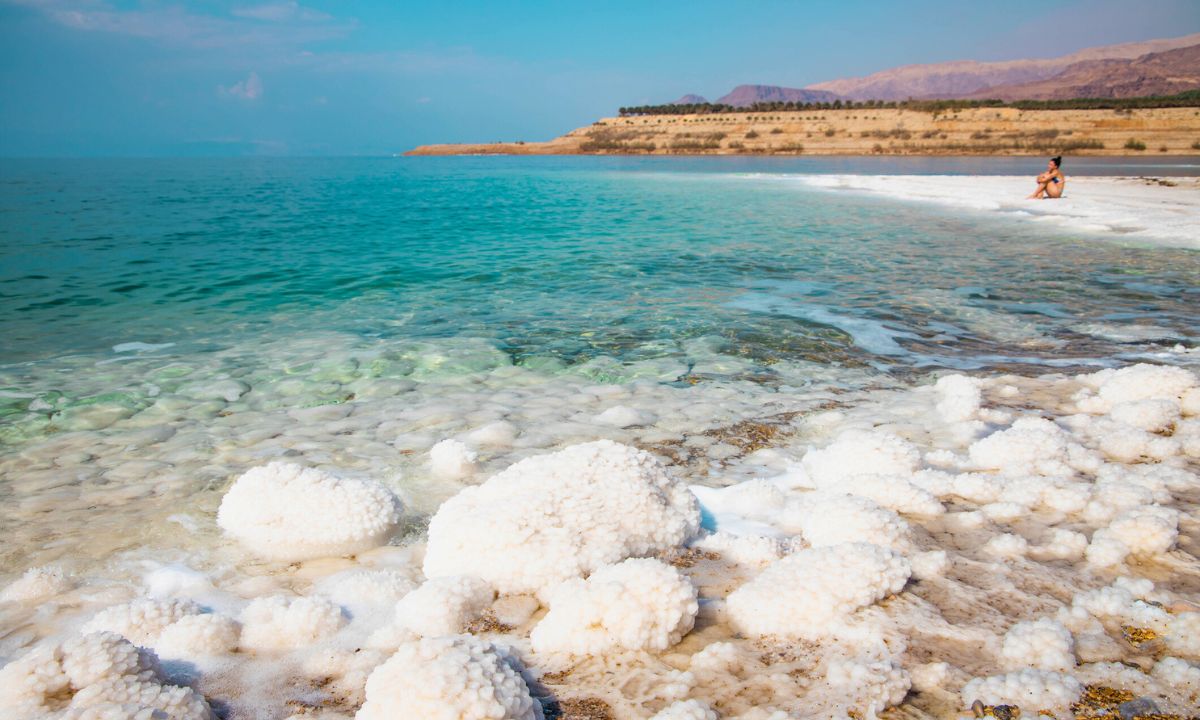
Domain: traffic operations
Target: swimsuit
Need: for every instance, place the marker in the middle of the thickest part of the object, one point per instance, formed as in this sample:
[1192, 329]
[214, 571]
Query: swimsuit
[1054, 180]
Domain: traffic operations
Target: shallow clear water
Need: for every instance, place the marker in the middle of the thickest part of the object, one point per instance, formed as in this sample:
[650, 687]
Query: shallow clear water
[567, 258]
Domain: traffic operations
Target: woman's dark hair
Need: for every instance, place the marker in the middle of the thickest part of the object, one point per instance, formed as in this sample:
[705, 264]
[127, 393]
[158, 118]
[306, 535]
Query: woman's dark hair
[1057, 160]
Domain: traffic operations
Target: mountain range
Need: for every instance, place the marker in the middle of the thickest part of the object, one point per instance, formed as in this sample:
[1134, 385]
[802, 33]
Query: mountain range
[1152, 67]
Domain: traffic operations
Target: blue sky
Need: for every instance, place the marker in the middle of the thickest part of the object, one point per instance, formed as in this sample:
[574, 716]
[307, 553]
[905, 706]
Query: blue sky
[157, 77]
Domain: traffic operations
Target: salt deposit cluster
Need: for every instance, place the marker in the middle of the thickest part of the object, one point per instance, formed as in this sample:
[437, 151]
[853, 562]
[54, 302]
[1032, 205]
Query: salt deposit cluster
[953, 547]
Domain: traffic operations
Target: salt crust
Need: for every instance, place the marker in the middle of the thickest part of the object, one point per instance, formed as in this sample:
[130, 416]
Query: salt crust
[1040, 689]
[1013, 499]
[638, 604]
[1119, 207]
[95, 675]
[443, 606]
[872, 686]
[452, 460]
[554, 517]
[1042, 644]
[286, 512]
[687, 710]
[207, 635]
[37, 583]
[803, 594]
[281, 623]
[456, 677]
[141, 621]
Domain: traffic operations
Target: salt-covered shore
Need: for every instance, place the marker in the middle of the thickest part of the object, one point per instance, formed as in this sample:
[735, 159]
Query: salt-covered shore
[1001, 539]
[1163, 211]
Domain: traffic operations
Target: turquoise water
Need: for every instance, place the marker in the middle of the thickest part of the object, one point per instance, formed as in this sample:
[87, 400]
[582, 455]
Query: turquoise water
[122, 280]
[567, 258]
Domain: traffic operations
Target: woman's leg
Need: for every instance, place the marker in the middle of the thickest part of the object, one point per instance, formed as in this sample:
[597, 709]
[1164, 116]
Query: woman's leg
[1055, 190]
[1037, 194]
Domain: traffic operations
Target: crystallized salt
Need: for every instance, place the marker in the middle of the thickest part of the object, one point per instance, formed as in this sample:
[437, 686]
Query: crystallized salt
[286, 512]
[456, 677]
[554, 517]
[638, 604]
[803, 594]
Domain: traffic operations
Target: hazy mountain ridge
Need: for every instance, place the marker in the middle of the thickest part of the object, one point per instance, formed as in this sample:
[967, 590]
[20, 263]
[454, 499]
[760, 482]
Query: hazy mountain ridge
[744, 95]
[1124, 70]
[1161, 73]
[969, 77]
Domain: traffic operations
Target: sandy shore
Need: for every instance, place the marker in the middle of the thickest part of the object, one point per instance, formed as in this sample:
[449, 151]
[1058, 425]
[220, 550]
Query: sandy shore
[979, 131]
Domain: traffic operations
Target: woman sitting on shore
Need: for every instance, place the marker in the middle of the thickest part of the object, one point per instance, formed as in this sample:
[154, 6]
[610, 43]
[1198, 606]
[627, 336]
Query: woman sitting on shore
[1052, 182]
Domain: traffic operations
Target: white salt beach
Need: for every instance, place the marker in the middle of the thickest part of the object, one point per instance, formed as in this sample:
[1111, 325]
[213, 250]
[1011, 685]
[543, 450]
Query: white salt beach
[1162, 211]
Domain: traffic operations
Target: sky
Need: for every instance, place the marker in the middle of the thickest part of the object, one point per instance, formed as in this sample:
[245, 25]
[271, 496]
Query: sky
[354, 77]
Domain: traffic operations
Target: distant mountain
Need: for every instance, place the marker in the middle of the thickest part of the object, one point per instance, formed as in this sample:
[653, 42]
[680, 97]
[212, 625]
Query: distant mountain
[1162, 73]
[690, 99]
[744, 95]
[967, 77]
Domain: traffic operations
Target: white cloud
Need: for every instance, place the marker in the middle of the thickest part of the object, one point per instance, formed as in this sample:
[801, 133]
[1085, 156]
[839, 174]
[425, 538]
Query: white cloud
[249, 89]
[289, 23]
[281, 12]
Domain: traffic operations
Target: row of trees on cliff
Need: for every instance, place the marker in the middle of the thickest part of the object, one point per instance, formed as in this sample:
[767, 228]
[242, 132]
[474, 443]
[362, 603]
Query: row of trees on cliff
[1191, 98]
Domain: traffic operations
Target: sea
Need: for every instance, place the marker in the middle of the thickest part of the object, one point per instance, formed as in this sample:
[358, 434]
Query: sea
[167, 324]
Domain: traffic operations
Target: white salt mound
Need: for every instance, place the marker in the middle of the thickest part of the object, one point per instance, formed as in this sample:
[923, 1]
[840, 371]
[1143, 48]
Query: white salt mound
[687, 710]
[443, 606]
[206, 635]
[142, 620]
[861, 452]
[449, 678]
[285, 512]
[874, 686]
[639, 604]
[452, 460]
[100, 675]
[281, 623]
[554, 517]
[38, 583]
[1043, 644]
[803, 594]
[1028, 689]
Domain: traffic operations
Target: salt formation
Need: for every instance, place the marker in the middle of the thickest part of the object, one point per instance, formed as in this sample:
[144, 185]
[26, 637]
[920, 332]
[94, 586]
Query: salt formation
[687, 710]
[141, 621]
[959, 397]
[824, 518]
[443, 606]
[871, 685]
[368, 588]
[286, 512]
[805, 593]
[1009, 503]
[449, 678]
[1043, 644]
[207, 635]
[95, 676]
[38, 583]
[554, 517]
[1034, 689]
[452, 459]
[638, 604]
[859, 452]
[281, 623]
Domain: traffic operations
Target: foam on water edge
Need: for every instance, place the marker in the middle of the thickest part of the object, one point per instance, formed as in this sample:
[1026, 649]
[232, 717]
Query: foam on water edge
[1083, 521]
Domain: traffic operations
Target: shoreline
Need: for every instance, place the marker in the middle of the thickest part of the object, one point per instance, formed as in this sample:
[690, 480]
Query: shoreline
[986, 132]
